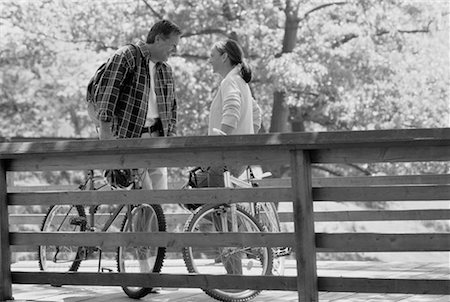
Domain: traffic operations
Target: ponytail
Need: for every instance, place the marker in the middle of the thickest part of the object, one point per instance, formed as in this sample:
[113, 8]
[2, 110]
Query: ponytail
[246, 72]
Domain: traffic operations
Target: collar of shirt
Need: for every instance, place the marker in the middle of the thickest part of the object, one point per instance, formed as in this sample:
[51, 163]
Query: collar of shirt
[235, 71]
[152, 66]
[144, 50]
[146, 53]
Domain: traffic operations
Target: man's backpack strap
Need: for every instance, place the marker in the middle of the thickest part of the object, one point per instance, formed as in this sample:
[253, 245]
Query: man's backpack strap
[138, 58]
[137, 62]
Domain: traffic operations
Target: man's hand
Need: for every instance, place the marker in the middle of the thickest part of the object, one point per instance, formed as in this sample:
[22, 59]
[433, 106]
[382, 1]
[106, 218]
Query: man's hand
[106, 130]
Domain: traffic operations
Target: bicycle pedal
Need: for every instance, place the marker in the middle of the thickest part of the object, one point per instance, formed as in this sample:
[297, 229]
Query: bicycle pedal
[81, 221]
[249, 265]
[282, 251]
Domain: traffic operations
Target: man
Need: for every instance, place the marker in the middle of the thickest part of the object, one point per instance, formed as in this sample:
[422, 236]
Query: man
[145, 106]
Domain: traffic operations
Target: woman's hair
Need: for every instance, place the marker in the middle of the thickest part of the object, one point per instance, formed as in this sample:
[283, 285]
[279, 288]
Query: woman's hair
[236, 56]
[164, 28]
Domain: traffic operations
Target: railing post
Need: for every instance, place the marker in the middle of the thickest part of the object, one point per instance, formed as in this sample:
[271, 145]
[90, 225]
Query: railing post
[5, 250]
[305, 247]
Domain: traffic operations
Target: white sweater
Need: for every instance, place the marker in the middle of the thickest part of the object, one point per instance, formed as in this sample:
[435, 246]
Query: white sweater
[234, 106]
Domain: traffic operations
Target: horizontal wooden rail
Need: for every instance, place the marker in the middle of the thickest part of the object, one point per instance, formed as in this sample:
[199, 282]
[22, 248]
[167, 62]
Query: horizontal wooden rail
[378, 215]
[374, 242]
[325, 242]
[300, 140]
[223, 195]
[166, 158]
[152, 280]
[174, 219]
[377, 155]
[326, 147]
[207, 195]
[369, 285]
[383, 193]
[183, 158]
[332, 284]
[365, 181]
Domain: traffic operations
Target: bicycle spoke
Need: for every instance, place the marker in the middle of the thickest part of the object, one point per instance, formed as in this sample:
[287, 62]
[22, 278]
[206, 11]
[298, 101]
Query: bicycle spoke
[241, 260]
[142, 259]
[60, 218]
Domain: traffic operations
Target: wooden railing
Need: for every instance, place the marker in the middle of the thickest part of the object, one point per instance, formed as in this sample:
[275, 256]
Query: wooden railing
[299, 150]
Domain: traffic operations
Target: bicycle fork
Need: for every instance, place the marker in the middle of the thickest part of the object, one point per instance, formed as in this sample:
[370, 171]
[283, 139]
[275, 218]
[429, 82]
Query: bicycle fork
[228, 184]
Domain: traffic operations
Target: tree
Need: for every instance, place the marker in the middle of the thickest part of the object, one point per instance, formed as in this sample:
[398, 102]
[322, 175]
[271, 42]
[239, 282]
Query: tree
[318, 65]
[343, 65]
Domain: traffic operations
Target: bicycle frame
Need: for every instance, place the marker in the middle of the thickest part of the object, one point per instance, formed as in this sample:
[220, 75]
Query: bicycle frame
[231, 181]
[91, 180]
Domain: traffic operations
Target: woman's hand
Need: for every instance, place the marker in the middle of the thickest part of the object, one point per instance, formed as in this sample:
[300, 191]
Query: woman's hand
[218, 131]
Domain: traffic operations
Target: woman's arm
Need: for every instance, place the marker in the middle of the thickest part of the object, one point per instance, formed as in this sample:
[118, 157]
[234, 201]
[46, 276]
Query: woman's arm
[231, 107]
[256, 116]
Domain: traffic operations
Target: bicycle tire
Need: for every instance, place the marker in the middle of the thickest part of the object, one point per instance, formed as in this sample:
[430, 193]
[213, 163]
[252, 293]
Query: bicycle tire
[62, 258]
[270, 219]
[267, 215]
[210, 260]
[129, 259]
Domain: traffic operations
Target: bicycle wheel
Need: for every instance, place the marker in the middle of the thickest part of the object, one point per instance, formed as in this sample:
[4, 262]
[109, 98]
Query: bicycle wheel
[267, 215]
[226, 260]
[142, 259]
[62, 218]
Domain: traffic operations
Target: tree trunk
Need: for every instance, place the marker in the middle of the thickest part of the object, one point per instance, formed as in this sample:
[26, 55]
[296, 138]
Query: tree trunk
[298, 125]
[280, 111]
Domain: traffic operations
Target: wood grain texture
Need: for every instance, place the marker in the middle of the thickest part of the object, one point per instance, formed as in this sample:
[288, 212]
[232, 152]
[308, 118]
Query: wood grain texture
[5, 248]
[304, 226]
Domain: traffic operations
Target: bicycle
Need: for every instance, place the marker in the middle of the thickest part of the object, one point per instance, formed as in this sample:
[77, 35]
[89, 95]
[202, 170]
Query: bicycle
[243, 217]
[102, 218]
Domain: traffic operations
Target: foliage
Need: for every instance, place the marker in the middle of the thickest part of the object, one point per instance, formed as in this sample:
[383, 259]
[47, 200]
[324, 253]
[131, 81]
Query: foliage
[370, 65]
[351, 65]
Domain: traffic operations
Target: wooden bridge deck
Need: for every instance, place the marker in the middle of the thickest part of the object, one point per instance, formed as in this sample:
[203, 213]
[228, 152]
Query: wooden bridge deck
[366, 269]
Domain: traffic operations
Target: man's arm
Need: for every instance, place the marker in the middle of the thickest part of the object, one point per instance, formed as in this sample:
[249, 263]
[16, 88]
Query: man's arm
[172, 131]
[173, 119]
[111, 85]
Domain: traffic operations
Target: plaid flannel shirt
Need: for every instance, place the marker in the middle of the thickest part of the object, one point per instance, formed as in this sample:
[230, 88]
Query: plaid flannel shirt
[125, 102]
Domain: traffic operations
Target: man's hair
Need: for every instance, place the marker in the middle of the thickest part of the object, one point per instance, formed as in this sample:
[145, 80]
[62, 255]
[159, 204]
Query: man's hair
[164, 28]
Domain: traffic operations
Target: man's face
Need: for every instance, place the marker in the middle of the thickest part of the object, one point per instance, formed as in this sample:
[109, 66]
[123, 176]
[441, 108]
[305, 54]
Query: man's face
[165, 47]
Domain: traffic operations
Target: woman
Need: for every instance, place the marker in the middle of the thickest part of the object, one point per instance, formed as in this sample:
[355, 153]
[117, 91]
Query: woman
[233, 110]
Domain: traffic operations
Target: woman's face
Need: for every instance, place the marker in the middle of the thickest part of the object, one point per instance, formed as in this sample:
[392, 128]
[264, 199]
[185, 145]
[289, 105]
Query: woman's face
[215, 60]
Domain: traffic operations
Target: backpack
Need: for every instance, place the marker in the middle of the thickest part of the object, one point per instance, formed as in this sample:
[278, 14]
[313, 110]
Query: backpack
[94, 85]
